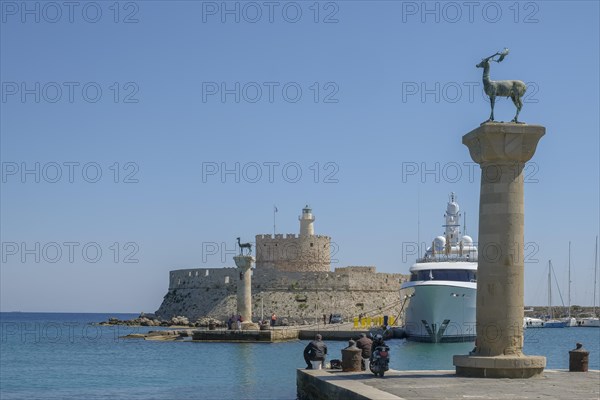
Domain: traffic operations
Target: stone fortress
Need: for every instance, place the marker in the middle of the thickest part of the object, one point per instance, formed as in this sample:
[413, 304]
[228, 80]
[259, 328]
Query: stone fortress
[292, 278]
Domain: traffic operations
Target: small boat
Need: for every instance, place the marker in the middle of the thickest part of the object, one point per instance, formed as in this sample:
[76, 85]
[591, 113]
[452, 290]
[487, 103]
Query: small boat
[571, 321]
[589, 322]
[529, 322]
[555, 323]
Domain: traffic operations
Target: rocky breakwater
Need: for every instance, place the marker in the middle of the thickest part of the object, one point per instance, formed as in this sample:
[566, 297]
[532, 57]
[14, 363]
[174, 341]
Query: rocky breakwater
[163, 335]
[167, 333]
[177, 321]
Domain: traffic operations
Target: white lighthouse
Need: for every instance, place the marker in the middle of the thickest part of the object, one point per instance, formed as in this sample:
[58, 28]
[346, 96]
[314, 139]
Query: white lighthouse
[306, 222]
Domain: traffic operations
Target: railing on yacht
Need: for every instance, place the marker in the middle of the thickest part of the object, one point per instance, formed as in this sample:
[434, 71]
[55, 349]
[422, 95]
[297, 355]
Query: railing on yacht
[445, 258]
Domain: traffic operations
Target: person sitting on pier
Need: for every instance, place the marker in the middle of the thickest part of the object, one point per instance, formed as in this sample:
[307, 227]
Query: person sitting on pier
[377, 342]
[315, 353]
[365, 344]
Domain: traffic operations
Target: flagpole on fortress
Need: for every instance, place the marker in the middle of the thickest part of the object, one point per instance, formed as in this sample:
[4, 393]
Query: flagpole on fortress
[274, 211]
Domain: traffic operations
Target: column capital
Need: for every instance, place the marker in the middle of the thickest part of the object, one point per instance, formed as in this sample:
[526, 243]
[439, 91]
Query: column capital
[503, 142]
[244, 262]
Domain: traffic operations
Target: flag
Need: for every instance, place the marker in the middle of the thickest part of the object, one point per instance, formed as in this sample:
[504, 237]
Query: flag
[275, 209]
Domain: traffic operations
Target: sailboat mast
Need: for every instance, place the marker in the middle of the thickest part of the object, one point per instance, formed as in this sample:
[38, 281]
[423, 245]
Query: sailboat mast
[595, 274]
[569, 291]
[550, 288]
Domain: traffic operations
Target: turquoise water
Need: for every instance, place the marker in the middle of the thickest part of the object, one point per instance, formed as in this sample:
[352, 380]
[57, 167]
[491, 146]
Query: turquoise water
[57, 356]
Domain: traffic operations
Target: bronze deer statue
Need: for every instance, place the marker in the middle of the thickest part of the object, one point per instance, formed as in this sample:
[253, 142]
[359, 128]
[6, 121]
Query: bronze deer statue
[243, 246]
[512, 88]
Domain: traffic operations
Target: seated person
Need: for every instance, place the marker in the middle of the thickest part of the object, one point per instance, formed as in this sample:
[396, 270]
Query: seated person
[315, 351]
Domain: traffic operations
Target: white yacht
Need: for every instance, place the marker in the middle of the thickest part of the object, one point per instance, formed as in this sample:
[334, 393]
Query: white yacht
[529, 322]
[589, 322]
[440, 298]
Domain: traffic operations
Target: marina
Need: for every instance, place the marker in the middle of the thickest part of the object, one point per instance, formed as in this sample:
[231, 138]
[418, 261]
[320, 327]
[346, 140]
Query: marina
[95, 363]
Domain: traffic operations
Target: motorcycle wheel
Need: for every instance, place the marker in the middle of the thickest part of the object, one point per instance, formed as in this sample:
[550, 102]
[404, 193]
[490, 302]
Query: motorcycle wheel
[381, 373]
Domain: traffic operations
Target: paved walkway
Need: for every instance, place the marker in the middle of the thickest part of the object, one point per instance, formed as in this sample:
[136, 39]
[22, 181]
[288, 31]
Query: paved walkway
[409, 385]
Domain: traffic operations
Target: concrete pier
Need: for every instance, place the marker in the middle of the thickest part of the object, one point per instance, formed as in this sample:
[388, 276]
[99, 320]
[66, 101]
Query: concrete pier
[280, 334]
[262, 336]
[271, 335]
[438, 385]
[501, 149]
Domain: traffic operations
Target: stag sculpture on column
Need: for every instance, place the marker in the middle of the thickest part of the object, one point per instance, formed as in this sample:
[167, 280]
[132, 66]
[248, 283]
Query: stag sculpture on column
[243, 246]
[513, 89]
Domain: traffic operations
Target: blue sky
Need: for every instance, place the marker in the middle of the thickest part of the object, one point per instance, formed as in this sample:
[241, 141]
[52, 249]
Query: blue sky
[160, 98]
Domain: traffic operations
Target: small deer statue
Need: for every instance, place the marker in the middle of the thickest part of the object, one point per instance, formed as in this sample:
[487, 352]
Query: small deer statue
[513, 89]
[243, 246]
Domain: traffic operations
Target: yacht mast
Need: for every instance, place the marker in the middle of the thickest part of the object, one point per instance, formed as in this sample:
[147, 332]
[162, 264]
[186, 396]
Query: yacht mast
[452, 226]
[419, 221]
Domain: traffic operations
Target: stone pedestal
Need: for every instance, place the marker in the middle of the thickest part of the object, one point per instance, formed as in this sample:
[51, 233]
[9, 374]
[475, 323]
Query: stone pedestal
[244, 287]
[501, 150]
[250, 326]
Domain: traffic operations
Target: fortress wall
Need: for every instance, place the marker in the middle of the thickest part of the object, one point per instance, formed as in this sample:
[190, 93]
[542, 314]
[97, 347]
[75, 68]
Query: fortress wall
[198, 292]
[286, 281]
[201, 277]
[379, 281]
[357, 269]
[366, 278]
[348, 278]
[299, 306]
[293, 295]
[292, 253]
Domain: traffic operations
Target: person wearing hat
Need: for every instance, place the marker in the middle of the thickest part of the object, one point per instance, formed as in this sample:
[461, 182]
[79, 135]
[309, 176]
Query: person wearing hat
[315, 351]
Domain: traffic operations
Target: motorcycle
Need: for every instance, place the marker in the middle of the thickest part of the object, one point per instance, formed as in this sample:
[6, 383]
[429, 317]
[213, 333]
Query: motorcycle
[380, 360]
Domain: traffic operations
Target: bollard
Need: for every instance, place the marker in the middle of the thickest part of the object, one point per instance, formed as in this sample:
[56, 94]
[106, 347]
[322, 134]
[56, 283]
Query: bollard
[351, 358]
[579, 359]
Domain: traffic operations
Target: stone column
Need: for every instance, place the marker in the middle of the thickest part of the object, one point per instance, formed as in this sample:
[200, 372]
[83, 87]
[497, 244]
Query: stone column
[501, 149]
[244, 286]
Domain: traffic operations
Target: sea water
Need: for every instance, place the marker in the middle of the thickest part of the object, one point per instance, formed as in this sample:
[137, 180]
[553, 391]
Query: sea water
[57, 356]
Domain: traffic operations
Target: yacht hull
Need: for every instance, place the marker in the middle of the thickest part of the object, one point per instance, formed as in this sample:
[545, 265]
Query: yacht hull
[555, 324]
[533, 322]
[440, 311]
[589, 322]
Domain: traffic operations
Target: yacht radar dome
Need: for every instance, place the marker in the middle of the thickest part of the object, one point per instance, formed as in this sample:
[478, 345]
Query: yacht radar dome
[467, 239]
[439, 243]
